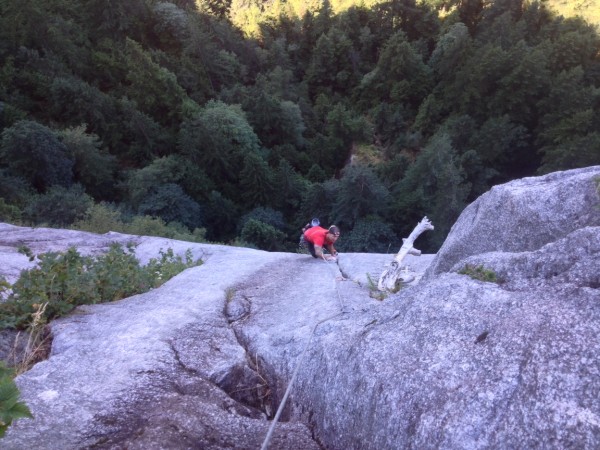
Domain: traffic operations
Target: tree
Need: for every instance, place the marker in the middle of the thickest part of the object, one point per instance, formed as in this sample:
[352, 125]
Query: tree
[316, 174]
[116, 18]
[140, 138]
[94, 168]
[578, 151]
[20, 23]
[35, 152]
[345, 126]
[168, 169]
[77, 102]
[323, 18]
[498, 8]
[217, 8]
[504, 146]
[292, 127]
[391, 126]
[256, 181]
[221, 217]
[172, 25]
[370, 235]
[275, 122]
[265, 215]
[576, 44]
[101, 218]
[567, 137]
[330, 70]
[279, 82]
[400, 76]
[393, 170]
[262, 235]
[14, 190]
[9, 213]
[161, 171]
[118, 123]
[469, 13]
[360, 194]
[153, 88]
[536, 15]
[288, 188]
[246, 15]
[342, 127]
[450, 50]
[504, 30]
[318, 202]
[264, 116]
[522, 88]
[172, 204]
[415, 19]
[59, 206]
[434, 186]
[218, 138]
[479, 147]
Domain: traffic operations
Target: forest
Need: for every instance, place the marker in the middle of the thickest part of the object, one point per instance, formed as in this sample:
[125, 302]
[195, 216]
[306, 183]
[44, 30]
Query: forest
[237, 121]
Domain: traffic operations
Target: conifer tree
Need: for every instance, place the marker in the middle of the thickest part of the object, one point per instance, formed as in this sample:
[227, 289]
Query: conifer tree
[360, 194]
[256, 181]
[433, 186]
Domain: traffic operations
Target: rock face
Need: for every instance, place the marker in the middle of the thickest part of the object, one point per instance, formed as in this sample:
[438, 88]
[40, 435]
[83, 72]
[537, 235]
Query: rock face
[157, 370]
[450, 362]
[459, 363]
[523, 215]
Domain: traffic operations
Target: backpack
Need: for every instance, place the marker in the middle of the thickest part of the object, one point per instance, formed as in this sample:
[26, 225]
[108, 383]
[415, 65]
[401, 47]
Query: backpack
[303, 245]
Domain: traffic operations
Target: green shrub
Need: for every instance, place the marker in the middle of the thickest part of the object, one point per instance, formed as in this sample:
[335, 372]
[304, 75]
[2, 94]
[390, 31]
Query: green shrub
[169, 265]
[262, 235]
[479, 273]
[9, 213]
[100, 218]
[4, 286]
[10, 406]
[59, 206]
[268, 216]
[66, 280]
[104, 217]
[155, 226]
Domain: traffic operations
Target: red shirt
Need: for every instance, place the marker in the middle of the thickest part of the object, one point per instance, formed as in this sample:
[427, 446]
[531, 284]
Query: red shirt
[316, 236]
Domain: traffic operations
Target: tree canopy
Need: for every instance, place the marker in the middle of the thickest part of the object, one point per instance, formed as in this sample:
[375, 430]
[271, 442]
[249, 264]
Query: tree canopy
[248, 118]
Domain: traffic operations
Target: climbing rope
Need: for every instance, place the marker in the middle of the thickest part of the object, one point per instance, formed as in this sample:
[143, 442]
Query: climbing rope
[298, 364]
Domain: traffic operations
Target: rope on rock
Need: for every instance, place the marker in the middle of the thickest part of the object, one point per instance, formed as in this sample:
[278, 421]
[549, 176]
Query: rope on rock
[298, 364]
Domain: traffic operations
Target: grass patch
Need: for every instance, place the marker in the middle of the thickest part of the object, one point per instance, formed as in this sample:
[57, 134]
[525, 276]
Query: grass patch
[374, 291]
[229, 294]
[479, 273]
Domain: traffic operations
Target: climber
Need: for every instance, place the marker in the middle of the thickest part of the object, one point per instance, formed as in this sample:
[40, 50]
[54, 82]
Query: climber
[317, 237]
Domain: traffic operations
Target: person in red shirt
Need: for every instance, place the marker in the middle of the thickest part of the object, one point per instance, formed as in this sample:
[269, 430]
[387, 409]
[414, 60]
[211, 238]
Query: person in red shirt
[318, 237]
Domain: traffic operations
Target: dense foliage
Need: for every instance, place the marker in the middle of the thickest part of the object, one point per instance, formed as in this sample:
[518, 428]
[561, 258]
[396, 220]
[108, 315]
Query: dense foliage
[62, 281]
[240, 120]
